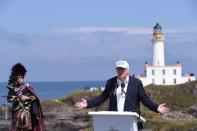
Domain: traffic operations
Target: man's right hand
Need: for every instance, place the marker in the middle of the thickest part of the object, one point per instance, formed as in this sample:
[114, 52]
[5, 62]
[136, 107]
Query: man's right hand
[82, 104]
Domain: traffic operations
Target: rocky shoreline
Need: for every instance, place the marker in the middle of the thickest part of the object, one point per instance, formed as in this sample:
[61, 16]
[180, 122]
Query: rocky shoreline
[61, 115]
[65, 118]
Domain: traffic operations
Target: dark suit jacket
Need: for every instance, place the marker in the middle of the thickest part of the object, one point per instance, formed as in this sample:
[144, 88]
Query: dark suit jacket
[135, 93]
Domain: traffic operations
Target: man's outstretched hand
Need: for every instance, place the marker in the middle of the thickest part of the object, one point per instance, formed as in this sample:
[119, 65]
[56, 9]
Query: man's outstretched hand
[162, 109]
[82, 104]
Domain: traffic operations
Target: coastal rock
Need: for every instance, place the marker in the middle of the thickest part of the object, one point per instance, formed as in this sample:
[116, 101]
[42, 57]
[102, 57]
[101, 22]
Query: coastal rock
[62, 117]
[57, 117]
[177, 115]
[192, 111]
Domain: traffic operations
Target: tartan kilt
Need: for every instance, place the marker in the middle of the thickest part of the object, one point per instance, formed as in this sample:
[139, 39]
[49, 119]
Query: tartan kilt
[33, 124]
[21, 124]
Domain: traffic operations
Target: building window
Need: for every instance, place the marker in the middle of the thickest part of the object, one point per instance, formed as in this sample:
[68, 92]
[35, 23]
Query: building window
[153, 72]
[164, 72]
[174, 81]
[153, 81]
[174, 71]
[164, 81]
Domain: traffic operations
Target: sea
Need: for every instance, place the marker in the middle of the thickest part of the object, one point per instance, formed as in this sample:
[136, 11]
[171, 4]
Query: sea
[53, 90]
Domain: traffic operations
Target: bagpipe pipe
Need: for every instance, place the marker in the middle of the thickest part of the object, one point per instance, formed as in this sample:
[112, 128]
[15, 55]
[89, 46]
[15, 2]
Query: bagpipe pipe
[17, 97]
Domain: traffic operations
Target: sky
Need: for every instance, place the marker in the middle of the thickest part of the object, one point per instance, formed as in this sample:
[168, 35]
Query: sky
[66, 40]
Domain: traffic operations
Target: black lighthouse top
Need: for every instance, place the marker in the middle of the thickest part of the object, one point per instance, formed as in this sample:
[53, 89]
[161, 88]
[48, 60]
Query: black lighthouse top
[157, 26]
[157, 29]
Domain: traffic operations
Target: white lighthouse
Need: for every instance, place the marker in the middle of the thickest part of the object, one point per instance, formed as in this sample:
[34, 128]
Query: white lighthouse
[158, 73]
[158, 46]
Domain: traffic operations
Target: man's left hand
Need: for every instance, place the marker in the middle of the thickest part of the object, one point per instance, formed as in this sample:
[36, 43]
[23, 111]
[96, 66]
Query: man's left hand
[162, 109]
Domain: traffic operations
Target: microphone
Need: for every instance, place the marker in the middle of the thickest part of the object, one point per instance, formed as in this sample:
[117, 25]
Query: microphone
[122, 85]
[126, 95]
[122, 89]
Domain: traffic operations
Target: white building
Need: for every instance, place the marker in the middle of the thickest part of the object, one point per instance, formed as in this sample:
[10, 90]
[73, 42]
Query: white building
[158, 73]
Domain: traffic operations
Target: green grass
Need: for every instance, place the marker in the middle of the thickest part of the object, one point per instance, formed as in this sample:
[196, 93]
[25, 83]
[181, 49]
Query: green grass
[177, 97]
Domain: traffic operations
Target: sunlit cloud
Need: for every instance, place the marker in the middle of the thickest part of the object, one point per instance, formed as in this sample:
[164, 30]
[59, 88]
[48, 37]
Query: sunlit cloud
[127, 30]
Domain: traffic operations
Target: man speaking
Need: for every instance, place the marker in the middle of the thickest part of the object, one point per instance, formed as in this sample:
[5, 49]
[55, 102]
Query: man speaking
[125, 94]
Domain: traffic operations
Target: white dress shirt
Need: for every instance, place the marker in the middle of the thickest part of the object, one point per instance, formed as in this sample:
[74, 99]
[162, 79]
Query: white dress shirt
[121, 96]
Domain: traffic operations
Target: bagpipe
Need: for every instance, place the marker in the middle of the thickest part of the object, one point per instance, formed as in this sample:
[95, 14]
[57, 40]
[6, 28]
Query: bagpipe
[18, 96]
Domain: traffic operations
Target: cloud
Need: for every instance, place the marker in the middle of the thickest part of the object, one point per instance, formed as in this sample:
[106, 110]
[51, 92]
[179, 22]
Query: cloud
[105, 29]
[128, 30]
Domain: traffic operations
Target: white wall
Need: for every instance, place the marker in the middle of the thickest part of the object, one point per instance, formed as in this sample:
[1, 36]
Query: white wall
[159, 77]
[169, 78]
[158, 54]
